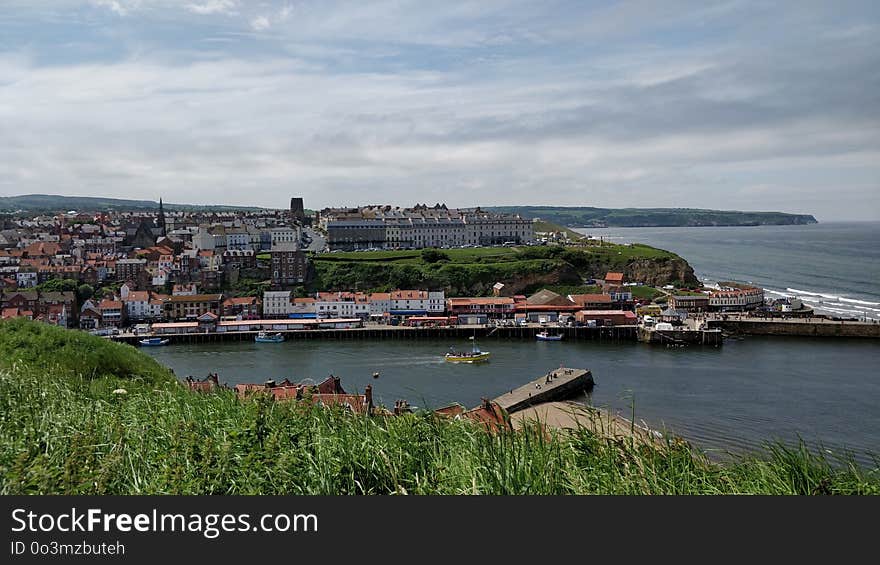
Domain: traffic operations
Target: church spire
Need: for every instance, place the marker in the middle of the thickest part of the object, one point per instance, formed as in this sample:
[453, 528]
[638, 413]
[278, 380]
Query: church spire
[161, 219]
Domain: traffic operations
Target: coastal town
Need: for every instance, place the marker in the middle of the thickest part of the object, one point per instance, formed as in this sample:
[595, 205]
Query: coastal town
[172, 272]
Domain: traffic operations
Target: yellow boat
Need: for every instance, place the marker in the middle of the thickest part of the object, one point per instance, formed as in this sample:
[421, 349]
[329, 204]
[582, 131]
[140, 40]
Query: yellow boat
[473, 356]
[467, 357]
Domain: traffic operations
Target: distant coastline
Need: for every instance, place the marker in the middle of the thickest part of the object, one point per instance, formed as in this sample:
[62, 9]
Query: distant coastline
[571, 217]
[589, 217]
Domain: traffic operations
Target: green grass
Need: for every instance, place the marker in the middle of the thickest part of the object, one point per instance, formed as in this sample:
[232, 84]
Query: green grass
[644, 292]
[469, 272]
[59, 434]
[29, 344]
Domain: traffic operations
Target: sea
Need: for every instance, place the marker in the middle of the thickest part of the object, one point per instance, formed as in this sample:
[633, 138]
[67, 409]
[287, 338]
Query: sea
[833, 267]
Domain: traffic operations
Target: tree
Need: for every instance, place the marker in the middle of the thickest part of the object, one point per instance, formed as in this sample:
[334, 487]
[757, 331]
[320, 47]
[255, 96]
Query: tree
[58, 285]
[433, 255]
[84, 292]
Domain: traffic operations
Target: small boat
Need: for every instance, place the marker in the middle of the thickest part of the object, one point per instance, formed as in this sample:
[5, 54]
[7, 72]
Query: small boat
[473, 356]
[153, 341]
[545, 336]
[266, 337]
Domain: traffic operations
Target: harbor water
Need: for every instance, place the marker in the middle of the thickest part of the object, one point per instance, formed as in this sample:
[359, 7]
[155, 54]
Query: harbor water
[730, 398]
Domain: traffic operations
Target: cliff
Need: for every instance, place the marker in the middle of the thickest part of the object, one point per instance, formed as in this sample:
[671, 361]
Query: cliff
[473, 272]
[659, 272]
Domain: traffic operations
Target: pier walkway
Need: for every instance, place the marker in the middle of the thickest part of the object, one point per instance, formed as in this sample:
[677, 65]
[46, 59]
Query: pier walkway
[559, 384]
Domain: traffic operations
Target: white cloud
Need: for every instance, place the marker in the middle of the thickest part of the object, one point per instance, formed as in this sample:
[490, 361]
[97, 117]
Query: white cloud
[120, 7]
[260, 23]
[208, 7]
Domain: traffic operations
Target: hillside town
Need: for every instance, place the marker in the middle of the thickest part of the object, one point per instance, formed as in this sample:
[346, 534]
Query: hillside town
[177, 271]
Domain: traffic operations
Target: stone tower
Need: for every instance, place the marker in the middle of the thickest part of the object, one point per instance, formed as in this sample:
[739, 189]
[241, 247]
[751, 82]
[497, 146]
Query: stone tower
[160, 221]
[297, 210]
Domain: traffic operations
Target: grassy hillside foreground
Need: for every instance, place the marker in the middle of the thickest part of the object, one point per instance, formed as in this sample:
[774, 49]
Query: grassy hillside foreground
[63, 430]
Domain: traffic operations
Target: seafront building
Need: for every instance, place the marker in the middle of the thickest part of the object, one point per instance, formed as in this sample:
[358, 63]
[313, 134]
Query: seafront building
[729, 296]
[387, 227]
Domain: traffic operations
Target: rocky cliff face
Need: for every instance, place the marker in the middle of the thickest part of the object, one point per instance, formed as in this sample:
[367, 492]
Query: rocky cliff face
[563, 275]
[658, 272]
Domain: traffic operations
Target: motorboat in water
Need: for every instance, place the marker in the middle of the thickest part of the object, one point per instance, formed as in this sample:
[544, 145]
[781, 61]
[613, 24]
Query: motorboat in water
[545, 336]
[266, 337]
[154, 341]
[472, 356]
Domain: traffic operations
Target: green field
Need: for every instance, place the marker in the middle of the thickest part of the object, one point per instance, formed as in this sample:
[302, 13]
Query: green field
[65, 428]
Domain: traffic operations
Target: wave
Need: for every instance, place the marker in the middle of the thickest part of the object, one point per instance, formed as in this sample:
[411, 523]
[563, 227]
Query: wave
[807, 292]
[862, 302]
[776, 292]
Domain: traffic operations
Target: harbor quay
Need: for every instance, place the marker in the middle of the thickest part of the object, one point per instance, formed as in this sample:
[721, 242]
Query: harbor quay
[382, 331]
[795, 327]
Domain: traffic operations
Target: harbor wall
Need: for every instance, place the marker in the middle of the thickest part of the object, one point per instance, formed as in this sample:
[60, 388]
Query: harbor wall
[607, 333]
[680, 337]
[798, 328]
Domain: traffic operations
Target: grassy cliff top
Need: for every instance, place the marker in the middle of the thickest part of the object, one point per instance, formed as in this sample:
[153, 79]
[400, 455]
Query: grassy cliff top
[472, 272]
[67, 353]
[504, 254]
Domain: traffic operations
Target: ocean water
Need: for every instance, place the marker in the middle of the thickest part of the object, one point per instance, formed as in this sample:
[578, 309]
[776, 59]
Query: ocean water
[833, 267]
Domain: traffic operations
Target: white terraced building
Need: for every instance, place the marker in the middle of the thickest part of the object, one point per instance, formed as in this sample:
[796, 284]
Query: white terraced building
[395, 228]
[736, 297]
[276, 304]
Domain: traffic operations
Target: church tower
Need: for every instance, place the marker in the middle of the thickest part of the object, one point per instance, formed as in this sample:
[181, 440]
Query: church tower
[160, 221]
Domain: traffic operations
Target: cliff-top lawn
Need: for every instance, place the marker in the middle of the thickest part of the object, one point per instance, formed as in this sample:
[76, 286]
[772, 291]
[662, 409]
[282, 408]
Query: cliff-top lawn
[468, 272]
[67, 427]
[502, 254]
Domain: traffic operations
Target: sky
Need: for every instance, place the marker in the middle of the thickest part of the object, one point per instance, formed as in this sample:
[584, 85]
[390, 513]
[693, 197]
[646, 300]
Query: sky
[732, 105]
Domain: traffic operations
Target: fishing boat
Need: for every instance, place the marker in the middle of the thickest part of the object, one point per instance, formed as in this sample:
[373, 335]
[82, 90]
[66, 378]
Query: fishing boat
[154, 341]
[472, 356]
[545, 336]
[266, 337]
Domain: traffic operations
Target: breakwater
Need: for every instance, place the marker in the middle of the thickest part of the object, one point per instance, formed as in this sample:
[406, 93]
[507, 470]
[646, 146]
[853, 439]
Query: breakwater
[557, 384]
[798, 328]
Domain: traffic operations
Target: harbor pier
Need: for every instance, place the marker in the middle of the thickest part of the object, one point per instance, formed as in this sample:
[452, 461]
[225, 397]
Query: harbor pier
[558, 384]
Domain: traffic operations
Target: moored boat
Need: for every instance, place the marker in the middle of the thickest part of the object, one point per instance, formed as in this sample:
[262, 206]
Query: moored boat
[545, 336]
[266, 337]
[154, 341]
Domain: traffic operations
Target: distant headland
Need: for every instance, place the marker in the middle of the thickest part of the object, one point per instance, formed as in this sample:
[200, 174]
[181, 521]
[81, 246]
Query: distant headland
[589, 217]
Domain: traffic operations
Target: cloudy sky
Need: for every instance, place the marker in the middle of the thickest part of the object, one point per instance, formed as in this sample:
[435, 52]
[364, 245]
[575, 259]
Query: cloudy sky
[729, 105]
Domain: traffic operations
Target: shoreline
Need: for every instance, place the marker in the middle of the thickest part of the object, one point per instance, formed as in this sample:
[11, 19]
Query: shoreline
[736, 325]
